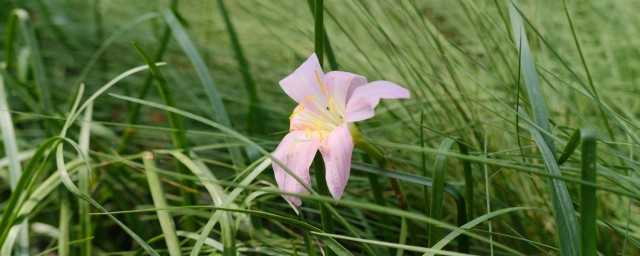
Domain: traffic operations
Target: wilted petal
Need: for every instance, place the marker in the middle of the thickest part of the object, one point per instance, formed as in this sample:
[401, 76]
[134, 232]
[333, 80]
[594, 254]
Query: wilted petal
[296, 152]
[365, 98]
[304, 82]
[341, 85]
[336, 150]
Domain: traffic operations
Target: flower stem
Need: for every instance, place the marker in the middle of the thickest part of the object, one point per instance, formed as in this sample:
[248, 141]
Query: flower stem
[323, 189]
[319, 30]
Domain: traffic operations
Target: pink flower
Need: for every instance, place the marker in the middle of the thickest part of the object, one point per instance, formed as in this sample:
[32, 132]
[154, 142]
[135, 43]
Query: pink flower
[327, 105]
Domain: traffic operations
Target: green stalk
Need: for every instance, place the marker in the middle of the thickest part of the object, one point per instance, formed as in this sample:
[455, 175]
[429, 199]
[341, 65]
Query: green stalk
[178, 134]
[134, 113]
[319, 30]
[588, 194]
[437, 190]
[159, 201]
[254, 117]
[84, 179]
[15, 168]
[323, 189]
[318, 163]
[63, 223]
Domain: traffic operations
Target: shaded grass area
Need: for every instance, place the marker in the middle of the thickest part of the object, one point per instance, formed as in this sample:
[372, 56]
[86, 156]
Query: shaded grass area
[468, 65]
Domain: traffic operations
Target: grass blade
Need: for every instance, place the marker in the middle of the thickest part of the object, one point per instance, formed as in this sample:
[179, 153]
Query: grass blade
[573, 143]
[437, 191]
[84, 181]
[254, 115]
[15, 168]
[160, 203]
[565, 217]
[178, 134]
[20, 17]
[189, 48]
[588, 197]
[534, 91]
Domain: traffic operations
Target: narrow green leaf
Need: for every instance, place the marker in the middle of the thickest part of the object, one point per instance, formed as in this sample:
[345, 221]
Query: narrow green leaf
[178, 134]
[318, 17]
[215, 99]
[15, 168]
[437, 191]
[586, 69]
[63, 223]
[536, 98]
[565, 217]
[164, 217]
[24, 185]
[588, 198]
[20, 17]
[84, 181]
[471, 224]
[254, 115]
[573, 143]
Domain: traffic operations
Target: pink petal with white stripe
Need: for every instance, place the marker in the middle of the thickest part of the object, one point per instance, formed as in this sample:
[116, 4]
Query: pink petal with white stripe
[303, 82]
[296, 152]
[336, 150]
[365, 98]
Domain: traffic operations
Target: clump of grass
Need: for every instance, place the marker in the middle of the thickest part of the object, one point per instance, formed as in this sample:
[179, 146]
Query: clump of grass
[527, 89]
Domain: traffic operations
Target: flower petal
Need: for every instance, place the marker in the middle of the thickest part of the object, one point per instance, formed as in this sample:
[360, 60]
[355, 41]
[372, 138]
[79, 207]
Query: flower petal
[305, 81]
[365, 98]
[336, 150]
[341, 85]
[296, 152]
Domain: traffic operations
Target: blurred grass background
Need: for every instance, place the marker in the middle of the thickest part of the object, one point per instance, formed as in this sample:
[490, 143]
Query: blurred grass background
[458, 58]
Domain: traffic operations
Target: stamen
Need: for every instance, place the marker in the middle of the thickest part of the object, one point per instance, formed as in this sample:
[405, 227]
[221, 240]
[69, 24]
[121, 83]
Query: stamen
[320, 83]
[319, 123]
[297, 111]
[301, 106]
[331, 104]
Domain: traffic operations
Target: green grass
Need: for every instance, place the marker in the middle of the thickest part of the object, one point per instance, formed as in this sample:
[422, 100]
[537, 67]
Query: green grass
[541, 98]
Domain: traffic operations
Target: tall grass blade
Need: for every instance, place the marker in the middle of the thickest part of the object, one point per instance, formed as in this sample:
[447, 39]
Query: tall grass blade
[215, 99]
[566, 222]
[178, 134]
[534, 91]
[63, 223]
[318, 18]
[586, 69]
[164, 217]
[588, 198]
[254, 115]
[15, 168]
[84, 181]
[20, 17]
[437, 191]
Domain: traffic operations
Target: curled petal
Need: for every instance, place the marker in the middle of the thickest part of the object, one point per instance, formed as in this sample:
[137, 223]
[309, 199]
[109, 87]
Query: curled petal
[336, 150]
[365, 98]
[341, 85]
[296, 152]
[306, 81]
